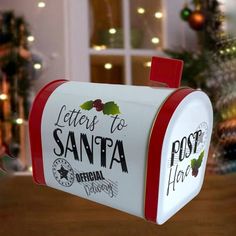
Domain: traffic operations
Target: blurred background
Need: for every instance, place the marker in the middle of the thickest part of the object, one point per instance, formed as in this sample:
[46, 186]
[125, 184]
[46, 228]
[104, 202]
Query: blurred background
[112, 41]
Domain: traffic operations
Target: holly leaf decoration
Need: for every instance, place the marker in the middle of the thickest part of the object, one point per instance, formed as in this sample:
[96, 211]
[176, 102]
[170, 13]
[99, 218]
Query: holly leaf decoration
[87, 105]
[193, 163]
[199, 160]
[111, 108]
[196, 163]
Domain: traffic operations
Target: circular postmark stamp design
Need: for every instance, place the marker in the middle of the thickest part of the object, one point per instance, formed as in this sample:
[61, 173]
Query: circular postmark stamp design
[63, 172]
[203, 132]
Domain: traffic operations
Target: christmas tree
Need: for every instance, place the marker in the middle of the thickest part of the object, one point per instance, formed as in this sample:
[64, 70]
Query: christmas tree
[15, 77]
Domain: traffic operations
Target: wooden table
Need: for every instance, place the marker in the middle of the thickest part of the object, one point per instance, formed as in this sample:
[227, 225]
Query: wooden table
[29, 209]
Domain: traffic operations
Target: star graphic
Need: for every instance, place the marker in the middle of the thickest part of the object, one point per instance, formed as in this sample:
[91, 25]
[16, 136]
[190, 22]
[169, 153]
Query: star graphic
[201, 138]
[63, 173]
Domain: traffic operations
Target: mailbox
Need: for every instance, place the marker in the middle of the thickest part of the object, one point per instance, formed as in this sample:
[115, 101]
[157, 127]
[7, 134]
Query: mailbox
[142, 150]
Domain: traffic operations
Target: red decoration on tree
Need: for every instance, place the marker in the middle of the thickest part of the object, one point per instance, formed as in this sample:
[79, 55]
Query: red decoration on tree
[196, 20]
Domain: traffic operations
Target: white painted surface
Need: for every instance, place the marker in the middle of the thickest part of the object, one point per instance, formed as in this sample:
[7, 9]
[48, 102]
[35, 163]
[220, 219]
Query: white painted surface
[77, 37]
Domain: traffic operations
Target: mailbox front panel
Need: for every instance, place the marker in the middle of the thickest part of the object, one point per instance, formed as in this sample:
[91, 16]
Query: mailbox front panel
[99, 153]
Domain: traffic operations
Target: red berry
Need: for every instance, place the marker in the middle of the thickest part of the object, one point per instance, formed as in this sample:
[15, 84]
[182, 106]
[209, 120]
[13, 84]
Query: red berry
[99, 107]
[195, 172]
[97, 102]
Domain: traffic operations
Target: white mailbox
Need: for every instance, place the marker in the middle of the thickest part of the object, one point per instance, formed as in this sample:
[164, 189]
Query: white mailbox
[142, 150]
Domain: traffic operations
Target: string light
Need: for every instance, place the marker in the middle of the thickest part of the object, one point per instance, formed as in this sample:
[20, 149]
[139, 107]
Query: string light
[227, 50]
[221, 52]
[99, 47]
[19, 121]
[108, 66]
[234, 48]
[30, 38]
[140, 10]
[37, 66]
[147, 64]
[112, 30]
[30, 169]
[155, 40]
[3, 96]
[158, 15]
[41, 4]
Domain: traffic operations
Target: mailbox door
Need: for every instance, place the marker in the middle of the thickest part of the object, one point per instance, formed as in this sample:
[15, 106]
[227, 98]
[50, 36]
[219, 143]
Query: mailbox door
[176, 171]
